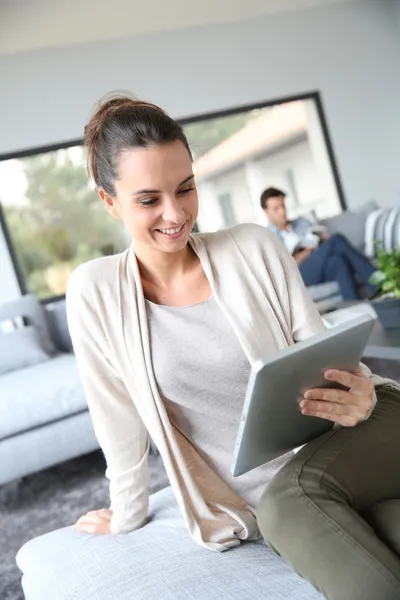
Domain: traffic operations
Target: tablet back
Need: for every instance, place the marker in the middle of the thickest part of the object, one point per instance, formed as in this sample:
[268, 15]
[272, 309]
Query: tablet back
[271, 422]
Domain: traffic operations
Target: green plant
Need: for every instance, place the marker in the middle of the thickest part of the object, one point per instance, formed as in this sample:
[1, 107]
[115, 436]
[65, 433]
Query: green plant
[387, 275]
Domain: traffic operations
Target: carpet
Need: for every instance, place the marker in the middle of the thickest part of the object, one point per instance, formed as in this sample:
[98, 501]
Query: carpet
[51, 499]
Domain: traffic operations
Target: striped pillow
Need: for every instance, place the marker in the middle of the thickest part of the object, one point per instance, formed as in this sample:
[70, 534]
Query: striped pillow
[383, 225]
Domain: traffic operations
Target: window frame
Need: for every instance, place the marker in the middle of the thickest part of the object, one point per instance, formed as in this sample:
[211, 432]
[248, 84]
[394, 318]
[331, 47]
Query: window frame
[315, 96]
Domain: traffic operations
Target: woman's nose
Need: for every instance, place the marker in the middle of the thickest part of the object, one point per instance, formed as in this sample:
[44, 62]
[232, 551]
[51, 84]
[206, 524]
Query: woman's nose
[173, 211]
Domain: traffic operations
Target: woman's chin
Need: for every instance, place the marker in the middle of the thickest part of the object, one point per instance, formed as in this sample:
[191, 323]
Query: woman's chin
[173, 243]
[176, 246]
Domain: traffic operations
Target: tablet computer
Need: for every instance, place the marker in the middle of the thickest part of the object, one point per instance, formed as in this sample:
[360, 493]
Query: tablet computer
[272, 423]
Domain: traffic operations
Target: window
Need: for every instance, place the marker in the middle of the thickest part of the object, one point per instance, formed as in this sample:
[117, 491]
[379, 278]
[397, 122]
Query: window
[55, 218]
[56, 221]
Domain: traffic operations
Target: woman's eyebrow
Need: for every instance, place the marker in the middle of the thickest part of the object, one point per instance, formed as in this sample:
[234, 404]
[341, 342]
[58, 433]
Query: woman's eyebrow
[139, 192]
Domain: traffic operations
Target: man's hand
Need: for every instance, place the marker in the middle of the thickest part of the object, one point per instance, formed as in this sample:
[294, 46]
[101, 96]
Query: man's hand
[347, 408]
[323, 237]
[301, 255]
[95, 521]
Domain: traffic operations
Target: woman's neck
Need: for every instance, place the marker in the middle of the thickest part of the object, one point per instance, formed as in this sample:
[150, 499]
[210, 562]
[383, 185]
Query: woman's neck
[160, 269]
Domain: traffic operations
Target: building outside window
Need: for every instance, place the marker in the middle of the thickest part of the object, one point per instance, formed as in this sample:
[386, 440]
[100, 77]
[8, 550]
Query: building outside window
[225, 203]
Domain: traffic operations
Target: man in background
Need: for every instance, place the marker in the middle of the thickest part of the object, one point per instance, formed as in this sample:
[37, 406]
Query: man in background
[320, 257]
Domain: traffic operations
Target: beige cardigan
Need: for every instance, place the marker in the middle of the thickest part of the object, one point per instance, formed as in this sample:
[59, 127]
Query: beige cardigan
[257, 284]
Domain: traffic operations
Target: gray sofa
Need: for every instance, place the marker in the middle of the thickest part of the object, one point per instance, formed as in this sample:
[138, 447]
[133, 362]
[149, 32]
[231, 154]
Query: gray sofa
[44, 418]
[157, 562]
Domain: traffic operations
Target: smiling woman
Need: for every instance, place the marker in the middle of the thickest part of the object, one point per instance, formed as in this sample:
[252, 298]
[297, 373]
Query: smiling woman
[165, 334]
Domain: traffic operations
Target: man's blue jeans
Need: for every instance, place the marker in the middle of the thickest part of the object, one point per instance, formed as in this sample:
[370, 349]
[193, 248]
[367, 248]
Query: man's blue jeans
[337, 260]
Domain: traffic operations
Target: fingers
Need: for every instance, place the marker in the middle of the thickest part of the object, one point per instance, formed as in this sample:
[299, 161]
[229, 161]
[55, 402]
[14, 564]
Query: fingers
[94, 528]
[95, 521]
[91, 518]
[357, 380]
[346, 415]
[347, 408]
[328, 395]
[103, 512]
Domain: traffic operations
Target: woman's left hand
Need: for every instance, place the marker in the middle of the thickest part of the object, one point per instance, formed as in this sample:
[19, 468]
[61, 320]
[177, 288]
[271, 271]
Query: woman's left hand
[347, 408]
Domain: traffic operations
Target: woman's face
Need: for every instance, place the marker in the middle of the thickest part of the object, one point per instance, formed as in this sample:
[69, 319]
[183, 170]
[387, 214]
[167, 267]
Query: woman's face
[156, 196]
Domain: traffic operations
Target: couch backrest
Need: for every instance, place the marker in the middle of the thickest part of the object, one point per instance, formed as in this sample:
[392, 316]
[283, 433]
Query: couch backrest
[351, 224]
[28, 307]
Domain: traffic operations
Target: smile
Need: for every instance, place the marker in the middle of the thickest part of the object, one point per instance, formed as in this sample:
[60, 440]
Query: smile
[173, 232]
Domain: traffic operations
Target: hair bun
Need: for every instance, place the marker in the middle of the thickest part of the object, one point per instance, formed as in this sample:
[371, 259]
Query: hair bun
[120, 122]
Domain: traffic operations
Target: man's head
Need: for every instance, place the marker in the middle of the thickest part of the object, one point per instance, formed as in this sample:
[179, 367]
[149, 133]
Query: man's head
[273, 204]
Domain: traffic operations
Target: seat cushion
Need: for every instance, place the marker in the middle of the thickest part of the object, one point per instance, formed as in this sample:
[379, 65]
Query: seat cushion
[323, 291]
[158, 561]
[40, 394]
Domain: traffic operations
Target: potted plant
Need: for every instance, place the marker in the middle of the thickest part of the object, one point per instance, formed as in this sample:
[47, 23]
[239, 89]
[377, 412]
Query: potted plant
[387, 278]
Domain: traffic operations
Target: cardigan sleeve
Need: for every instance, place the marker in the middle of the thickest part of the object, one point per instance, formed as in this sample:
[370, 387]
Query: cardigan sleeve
[117, 424]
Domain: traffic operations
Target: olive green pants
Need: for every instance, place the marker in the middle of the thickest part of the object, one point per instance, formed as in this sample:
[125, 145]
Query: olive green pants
[333, 511]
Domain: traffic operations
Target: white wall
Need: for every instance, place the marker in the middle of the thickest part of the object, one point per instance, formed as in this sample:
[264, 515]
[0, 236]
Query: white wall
[350, 52]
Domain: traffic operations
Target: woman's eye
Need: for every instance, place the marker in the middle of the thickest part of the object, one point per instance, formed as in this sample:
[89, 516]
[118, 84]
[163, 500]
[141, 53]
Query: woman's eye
[186, 190]
[149, 202]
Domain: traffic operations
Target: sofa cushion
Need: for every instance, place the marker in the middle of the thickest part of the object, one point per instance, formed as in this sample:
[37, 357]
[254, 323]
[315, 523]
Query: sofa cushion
[19, 349]
[56, 314]
[324, 291]
[383, 225]
[158, 561]
[40, 394]
[29, 307]
[351, 224]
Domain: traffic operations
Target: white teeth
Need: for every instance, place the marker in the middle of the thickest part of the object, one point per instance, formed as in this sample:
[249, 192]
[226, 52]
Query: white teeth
[172, 231]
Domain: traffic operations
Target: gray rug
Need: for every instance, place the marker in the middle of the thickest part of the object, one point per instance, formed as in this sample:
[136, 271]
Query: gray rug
[49, 500]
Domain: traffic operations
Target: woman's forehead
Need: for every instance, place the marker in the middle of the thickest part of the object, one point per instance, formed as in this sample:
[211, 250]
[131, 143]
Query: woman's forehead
[155, 165]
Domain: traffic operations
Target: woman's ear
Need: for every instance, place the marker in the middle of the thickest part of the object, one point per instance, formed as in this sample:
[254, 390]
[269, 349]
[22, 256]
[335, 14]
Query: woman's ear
[111, 203]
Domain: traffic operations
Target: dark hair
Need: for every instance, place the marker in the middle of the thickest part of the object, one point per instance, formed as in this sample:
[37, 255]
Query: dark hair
[120, 123]
[270, 192]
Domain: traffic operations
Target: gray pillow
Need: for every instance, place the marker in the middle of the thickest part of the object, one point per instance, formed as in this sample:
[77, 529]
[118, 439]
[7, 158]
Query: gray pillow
[56, 313]
[20, 349]
[351, 224]
[28, 306]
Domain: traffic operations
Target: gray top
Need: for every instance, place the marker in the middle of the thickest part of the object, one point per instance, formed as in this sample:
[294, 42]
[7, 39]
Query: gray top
[202, 373]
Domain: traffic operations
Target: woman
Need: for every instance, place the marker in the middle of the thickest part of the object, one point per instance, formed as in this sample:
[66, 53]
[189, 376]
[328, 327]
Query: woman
[164, 336]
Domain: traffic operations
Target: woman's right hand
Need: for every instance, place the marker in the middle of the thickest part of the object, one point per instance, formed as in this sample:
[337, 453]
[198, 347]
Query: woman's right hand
[95, 521]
